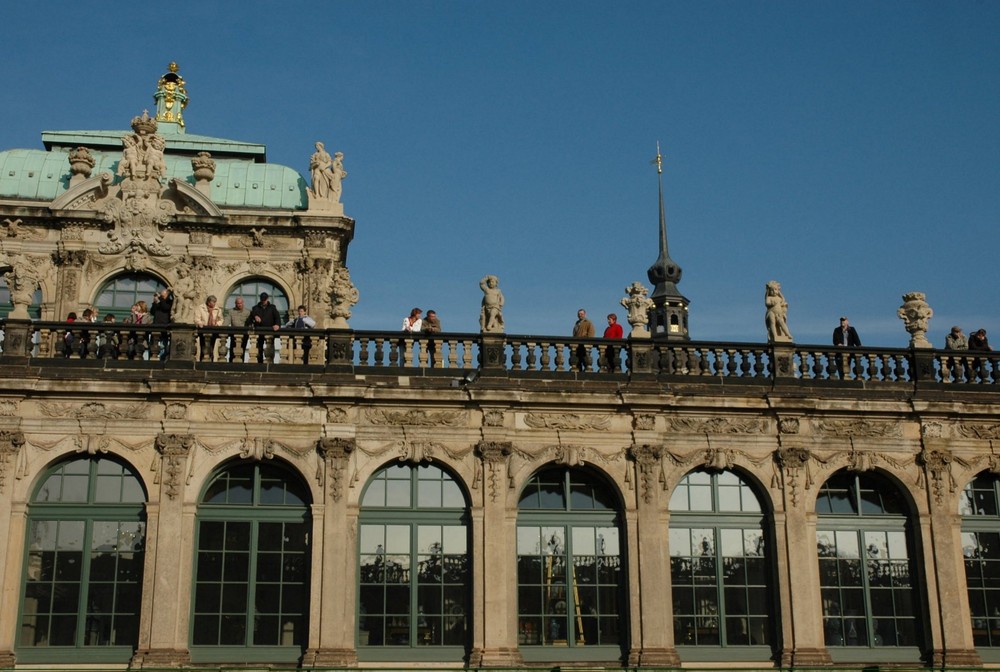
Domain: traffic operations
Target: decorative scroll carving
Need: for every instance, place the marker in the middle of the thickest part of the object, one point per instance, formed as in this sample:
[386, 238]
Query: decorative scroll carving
[174, 450]
[381, 416]
[872, 428]
[979, 430]
[494, 455]
[791, 463]
[92, 444]
[11, 443]
[336, 415]
[937, 464]
[268, 414]
[649, 464]
[95, 409]
[493, 418]
[257, 448]
[336, 455]
[644, 422]
[567, 421]
[719, 425]
[13, 229]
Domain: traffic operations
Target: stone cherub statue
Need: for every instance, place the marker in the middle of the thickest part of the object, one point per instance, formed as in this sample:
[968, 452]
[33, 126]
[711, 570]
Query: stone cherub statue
[915, 313]
[776, 317]
[638, 304]
[491, 314]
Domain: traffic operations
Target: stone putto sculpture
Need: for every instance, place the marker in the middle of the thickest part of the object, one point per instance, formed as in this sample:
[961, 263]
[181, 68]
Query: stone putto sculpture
[638, 304]
[491, 314]
[776, 317]
[915, 313]
[343, 295]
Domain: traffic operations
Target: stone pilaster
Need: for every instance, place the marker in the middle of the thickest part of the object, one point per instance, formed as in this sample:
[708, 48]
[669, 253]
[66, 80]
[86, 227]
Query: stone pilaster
[163, 623]
[650, 586]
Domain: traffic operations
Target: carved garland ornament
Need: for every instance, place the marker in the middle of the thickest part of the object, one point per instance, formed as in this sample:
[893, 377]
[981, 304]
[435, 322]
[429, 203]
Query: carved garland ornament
[494, 455]
[647, 459]
[870, 428]
[174, 450]
[566, 421]
[381, 416]
[11, 443]
[718, 425]
[335, 454]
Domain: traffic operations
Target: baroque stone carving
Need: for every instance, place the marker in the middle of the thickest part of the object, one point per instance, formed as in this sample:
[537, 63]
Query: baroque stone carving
[494, 455]
[872, 428]
[22, 281]
[644, 422]
[8, 408]
[790, 464]
[637, 303]
[931, 430]
[493, 418]
[649, 464]
[266, 414]
[94, 410]
[11, 443]
[336, 415]
[915, 313]
[257, 448]
[13, 229]
[788, 425]
[937, 464]
[491, 312]
[175, 411]
[174, 450]
[81, 164]
[776, 315]
[381, 416]
[327, 173]
[336, 454]
[343, 295]
[566, 421]
[979, 430]
[718, 425]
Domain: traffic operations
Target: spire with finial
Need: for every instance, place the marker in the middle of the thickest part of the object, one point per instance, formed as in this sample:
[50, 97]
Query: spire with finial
[669, 315]
[171, 99]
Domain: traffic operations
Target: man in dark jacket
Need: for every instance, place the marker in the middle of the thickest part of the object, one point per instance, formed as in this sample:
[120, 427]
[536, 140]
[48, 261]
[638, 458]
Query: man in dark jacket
[264, 316]
[163, 306]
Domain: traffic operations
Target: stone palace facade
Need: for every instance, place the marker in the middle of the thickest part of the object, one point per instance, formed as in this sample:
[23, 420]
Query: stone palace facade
[336, 498]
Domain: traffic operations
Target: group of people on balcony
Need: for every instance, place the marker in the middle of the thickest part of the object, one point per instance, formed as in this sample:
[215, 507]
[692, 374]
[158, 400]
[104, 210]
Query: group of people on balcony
[264, 316]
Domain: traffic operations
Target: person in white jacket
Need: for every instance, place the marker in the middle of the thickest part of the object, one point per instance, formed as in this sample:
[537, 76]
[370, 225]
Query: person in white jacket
[302, 321]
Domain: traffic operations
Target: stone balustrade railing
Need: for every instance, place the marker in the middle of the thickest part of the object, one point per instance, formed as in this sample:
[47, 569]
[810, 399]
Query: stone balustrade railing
[58, 343]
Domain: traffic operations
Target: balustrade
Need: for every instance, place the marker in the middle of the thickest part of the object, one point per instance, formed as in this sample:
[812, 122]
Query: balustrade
[145, 345]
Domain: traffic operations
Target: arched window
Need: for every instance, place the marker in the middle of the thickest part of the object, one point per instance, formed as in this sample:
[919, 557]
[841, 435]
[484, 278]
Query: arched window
[866, 564]
[721, 564]
[570, 566]
[250, 290]
[120, 293]
[251, 578]
[414, 566]
[980, 510]
[34, 310]
[83, 564]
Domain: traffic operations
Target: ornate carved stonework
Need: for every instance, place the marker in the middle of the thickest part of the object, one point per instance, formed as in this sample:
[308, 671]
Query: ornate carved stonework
[342, 297]
[257, 448]
[644, 422]
[10, 451]
[265, 414]
[174, 450]
[937, 464]
[788, 425]
[649, 464]
[175, 411]
[872, 428]
[493, 418]
[336, 454]
[790, 464]
[931, 430]
[95, 409]
[8, 408]
[718, 425]
[336, 416]
[381, 416]
[494, 455]
[566, 421]
[978, 430]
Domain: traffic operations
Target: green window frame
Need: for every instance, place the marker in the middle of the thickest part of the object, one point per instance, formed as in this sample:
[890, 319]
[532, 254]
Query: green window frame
[868, 573]
[721, 565]
[979, 506]
[83, 564]
[120, 293]
[252, 566]
[571, 576]
[414, 567]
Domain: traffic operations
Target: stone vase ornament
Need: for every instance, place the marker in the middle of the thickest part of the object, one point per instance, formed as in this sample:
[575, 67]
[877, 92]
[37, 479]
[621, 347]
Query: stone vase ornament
[638, 304]
[915, 313]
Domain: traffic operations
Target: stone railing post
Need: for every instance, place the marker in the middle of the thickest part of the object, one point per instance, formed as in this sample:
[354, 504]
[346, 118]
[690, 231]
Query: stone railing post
[491, 351]
[782, 360]
[922, 366]
[17, 339]
[339, 350]
[182, 338]
[640, 356]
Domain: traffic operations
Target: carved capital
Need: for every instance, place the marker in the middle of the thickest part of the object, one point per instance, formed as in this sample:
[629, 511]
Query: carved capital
[648, 461]
[494, 455]
[336, 453]
[937, 464]
[792, 463]
[174, 450]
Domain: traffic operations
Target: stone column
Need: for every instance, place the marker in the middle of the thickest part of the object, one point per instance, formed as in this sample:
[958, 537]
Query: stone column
[13, 518]
[494, 574]
[334, 571]
[166, 582]
[944, 565]
[650, 589]
[803, 643]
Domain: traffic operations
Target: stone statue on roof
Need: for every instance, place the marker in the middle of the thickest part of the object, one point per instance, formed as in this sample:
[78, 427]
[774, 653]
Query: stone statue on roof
[776, 315]
[915, 312]
[327, 172]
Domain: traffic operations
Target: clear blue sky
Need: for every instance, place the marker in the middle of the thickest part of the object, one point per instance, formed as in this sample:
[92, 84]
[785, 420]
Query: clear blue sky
[850, 151]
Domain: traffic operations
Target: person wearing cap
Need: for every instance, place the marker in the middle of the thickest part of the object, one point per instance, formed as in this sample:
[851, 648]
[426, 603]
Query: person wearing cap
[845, 335]
[264, 316]
[955, 340]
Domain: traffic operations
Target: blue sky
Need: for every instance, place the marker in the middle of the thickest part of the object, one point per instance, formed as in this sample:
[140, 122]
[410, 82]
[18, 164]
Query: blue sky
[850, 151]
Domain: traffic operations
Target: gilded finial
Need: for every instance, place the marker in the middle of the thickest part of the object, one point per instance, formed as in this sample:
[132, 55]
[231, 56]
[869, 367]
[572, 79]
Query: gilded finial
[658, 160]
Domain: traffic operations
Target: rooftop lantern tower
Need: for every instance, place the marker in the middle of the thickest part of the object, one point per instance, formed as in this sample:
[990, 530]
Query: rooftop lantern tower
[171, 99]
[669, 315]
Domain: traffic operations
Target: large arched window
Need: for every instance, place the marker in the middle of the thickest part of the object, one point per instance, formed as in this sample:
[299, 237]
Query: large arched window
[570, 567]
[980, 510]
[867, 570]
[83, 564]
[120, 293]
[721, 567]
[251, 583]
[250, 290]
[414, 566]
[34, 310]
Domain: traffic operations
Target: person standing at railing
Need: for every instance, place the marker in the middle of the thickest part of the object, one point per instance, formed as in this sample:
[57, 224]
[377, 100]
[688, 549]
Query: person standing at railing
[264, 316]
[955, 340]
[136, 341]
[614, 332]
[845, 336]
[163, 306]
[303, 321]
[238, 316]
[209, 315]
[431, 325]
[109, 344]
[583, 328]
[411, 325]
[979, 343]
[68, 337]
